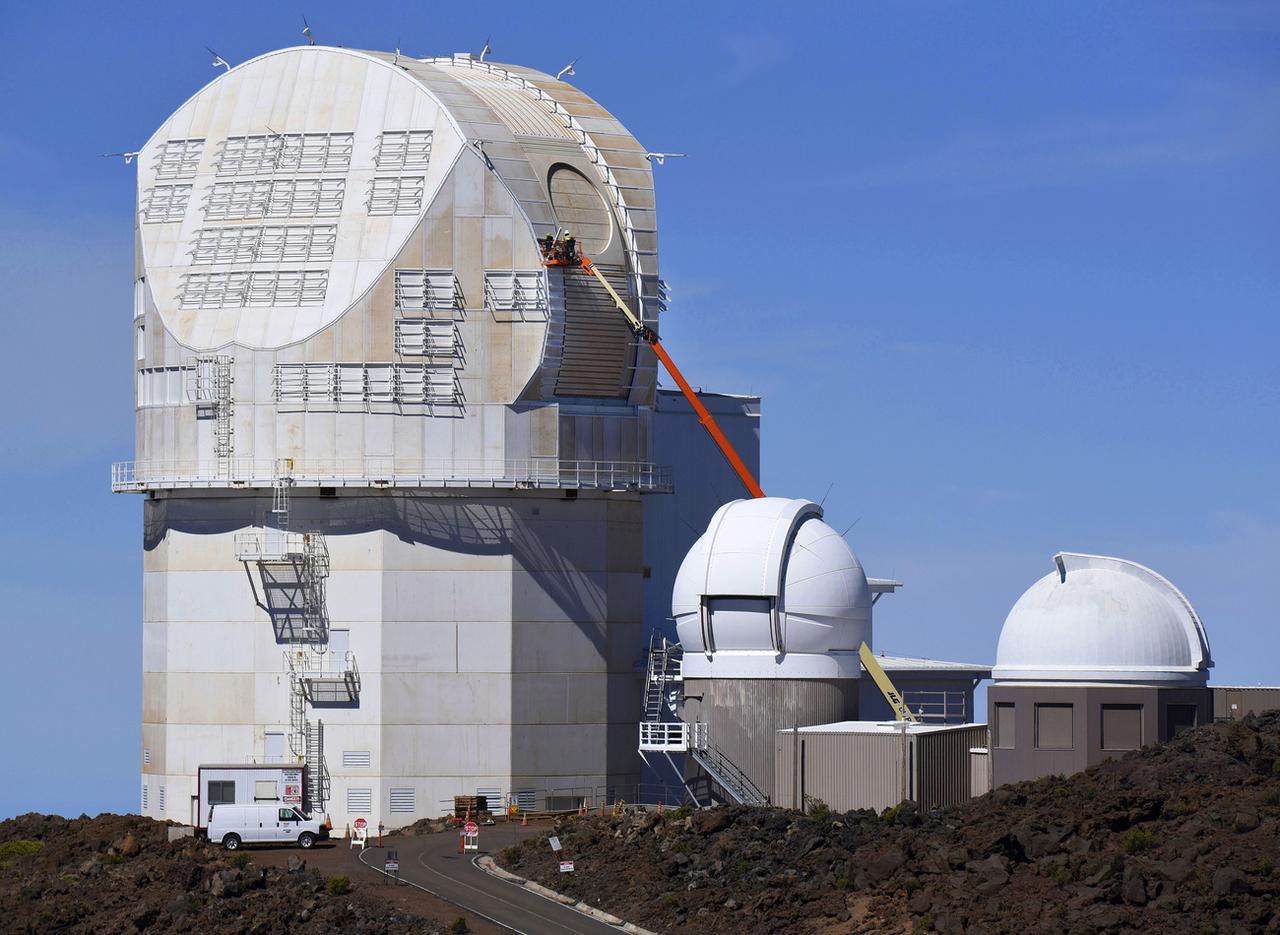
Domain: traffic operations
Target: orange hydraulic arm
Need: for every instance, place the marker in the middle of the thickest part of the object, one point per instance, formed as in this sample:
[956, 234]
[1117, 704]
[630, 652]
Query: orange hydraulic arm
[704, 417]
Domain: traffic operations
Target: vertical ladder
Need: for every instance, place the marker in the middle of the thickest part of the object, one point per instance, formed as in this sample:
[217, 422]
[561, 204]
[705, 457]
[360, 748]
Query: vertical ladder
[214, 399]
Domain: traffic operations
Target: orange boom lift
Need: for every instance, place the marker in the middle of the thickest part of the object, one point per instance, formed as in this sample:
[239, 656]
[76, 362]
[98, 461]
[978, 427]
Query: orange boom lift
[564, 253]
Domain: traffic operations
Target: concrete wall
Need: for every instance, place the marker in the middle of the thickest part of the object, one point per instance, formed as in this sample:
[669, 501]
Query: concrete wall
[1025, 761]
[495, 638]
[743, 715]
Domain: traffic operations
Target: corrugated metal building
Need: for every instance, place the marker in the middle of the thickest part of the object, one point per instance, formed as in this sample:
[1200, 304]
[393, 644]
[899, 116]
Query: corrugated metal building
[872, 764]
[1232, 702]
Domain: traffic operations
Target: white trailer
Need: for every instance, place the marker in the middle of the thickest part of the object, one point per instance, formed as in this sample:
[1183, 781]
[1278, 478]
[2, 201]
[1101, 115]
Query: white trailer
[247, 784]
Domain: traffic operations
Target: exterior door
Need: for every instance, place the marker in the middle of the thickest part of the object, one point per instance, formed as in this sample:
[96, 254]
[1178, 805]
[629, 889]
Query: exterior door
[275, 748]
[286, 825]
[336, 657]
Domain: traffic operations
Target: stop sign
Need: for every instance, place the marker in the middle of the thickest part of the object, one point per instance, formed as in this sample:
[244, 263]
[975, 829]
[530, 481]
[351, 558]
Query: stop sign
[361, 823]
[471, 828]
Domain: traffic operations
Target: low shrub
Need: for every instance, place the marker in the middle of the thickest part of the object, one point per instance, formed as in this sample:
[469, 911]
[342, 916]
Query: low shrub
[1137, 840]
[18, 847]
[816, 809]
[338, 886]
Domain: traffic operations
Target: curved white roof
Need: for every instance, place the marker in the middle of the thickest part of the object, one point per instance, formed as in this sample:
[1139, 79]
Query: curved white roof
[771, 591]
[1100, 619]
[276, 196]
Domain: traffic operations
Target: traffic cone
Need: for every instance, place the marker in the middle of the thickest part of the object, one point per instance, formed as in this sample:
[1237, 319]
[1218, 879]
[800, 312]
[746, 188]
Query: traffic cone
[525, 821]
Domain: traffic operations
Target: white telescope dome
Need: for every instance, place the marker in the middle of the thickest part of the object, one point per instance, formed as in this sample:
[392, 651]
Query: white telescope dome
[771, 591]
[1100, 619]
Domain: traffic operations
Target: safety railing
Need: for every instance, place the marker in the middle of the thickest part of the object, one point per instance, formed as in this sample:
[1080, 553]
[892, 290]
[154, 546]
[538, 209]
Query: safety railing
[664, 736]
[165, 474]
[938, 707]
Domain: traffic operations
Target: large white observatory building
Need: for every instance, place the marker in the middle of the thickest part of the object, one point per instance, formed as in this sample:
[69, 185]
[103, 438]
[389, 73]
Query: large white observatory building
[393, 466]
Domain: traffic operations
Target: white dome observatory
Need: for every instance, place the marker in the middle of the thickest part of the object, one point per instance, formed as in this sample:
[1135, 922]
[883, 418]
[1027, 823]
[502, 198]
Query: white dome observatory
[771, 591]
[1100, 619]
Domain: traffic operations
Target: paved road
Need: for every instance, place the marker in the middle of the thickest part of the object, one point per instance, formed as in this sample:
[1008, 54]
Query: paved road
[432, 862]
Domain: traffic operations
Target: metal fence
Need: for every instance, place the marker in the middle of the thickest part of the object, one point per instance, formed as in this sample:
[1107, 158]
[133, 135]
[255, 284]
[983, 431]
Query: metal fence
[595, 799]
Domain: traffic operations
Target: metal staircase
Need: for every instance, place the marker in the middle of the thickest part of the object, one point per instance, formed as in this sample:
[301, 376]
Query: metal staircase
[736, 784]
[294, 568]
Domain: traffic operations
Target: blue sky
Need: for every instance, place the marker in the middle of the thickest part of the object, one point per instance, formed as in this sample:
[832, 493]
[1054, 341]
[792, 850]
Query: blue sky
[1007, 276]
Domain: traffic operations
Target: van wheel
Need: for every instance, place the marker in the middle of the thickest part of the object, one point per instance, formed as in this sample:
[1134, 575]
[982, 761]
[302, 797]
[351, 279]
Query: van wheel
[306, 839]
[231, 842]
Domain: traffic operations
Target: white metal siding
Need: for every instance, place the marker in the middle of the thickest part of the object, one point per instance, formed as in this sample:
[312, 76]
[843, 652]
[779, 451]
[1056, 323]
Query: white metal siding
[360, 801]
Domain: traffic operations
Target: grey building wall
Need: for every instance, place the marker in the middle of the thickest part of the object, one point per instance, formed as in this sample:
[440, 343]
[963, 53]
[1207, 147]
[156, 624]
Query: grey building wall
[744, 714]
[1231, 703]
[849, 770]
[702, 480]
[1019, 758]
[495, 637]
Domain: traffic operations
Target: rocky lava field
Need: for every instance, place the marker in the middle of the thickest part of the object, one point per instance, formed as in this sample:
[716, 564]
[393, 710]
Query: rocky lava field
[1180, 837]
[120, 874]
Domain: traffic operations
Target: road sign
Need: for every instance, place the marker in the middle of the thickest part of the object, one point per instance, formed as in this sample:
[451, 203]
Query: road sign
[471, 836]
[392, 866]
[471, 828]
[555, 842]
[566, 866]
[360, 823]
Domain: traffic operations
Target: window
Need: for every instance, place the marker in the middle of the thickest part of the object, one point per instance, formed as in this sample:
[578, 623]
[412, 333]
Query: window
[266, 154]
[140, 340]
[165, 203]
[1121, 726]
[402, 800]
[179, 158]
[222, 792]
[275, 198]
[146, 754]
[360, 800]
[163, 386]
[1179, 718]
[264, 790]
[260, 288]
[139, 297]
[1054, 727]
[1005, 738]
[404, 149]
[353, 759]
[427, 290]
[397, 195]
[287, 814]
[521, 291]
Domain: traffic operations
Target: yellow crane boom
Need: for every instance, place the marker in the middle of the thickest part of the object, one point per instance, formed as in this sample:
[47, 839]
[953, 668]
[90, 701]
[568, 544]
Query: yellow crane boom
[900, 710]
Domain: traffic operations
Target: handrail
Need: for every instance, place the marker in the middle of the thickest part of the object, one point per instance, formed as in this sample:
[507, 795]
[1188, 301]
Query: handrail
[140, 476]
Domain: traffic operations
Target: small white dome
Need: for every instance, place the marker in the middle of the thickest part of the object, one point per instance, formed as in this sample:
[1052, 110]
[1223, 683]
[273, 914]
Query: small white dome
[1099, 619]
[771, 591]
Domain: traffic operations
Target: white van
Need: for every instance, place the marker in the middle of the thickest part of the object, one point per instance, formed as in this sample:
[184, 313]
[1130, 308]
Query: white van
[233, 825]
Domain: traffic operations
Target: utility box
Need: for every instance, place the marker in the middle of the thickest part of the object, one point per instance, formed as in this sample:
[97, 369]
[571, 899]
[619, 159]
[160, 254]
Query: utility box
[247, 784]
[876, 764]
